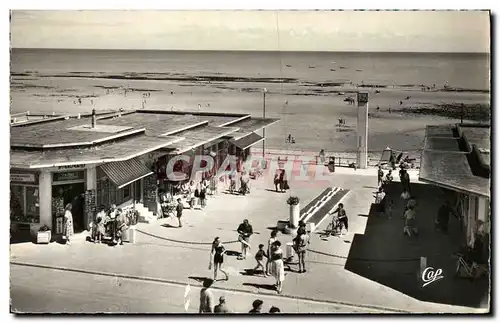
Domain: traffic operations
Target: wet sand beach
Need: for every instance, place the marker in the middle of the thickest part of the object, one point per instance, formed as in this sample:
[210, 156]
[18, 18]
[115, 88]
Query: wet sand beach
[309, 112]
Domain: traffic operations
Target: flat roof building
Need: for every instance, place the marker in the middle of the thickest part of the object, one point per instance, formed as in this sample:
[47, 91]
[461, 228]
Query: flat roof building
[457, 157]
[111, 158]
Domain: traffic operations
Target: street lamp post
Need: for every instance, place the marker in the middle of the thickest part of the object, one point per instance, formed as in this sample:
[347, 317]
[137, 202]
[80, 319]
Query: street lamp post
[264, 129]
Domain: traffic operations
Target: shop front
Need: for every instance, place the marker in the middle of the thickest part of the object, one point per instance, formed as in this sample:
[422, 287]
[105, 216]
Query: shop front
[24, 202]
[122, 183]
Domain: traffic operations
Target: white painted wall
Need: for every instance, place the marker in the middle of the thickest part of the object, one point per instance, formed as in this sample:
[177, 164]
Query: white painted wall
[45, 200]
[362, 130]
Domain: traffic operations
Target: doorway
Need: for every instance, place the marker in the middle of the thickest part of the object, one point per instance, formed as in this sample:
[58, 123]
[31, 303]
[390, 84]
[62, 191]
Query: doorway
[74, 194]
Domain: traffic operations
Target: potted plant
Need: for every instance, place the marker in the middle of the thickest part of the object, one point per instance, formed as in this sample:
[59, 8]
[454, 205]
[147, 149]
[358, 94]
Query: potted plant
[294, 203]
[293, 200]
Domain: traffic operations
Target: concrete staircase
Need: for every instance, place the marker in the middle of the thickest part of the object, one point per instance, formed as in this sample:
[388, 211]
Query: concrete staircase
[145, 215]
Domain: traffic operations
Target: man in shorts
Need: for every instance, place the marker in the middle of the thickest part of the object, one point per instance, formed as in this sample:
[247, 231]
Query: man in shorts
[245, 230]
[179, 208]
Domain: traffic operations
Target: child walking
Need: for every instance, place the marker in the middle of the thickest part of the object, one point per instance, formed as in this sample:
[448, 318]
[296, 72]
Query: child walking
[259, 257]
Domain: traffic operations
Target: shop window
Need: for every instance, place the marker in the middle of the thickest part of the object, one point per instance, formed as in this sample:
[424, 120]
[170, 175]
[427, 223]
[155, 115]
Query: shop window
[24, 204]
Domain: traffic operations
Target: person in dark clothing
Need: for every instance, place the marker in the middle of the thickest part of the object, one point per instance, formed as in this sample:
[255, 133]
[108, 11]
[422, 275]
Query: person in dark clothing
[274, 309]
[203, 196]
[217, 255]
[256, 306]
[245, 230]
[259, 257]
[282, 181]
[443, 217]
[179, 208]
[222, 307]
[342, 216]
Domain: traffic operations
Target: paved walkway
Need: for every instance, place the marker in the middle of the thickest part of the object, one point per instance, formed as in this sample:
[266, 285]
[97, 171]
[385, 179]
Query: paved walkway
[181, 255]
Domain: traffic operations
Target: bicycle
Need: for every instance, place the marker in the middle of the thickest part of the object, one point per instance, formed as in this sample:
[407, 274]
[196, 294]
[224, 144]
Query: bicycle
[469, 269]
[334, 228]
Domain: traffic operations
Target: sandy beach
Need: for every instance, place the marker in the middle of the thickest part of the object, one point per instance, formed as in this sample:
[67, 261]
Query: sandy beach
[309, 111]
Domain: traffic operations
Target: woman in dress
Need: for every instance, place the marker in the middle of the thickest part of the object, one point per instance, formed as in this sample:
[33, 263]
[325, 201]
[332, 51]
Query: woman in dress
[270, 242]
[278, 268]
[217, 256]
[68, 223]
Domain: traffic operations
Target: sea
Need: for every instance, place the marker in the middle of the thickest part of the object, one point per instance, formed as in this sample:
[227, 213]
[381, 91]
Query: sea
[469, 71]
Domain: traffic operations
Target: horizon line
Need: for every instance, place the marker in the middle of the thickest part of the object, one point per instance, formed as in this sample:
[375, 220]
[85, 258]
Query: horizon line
[248, 50]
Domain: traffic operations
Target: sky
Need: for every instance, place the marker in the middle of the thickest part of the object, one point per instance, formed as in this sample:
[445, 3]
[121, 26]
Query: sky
[387, 31]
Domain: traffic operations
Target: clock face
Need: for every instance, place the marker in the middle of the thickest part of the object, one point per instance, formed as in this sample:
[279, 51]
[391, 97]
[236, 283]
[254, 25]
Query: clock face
[362, 97]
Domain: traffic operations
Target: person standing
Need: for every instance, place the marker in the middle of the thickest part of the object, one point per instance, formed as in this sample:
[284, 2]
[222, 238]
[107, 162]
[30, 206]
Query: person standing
[410, 228]
[203, 196]
[301, 242]
[245, 230]
[388, 178]
[342, 217]
[206, 297]
[68, 223]
[191, 193]
[276, 181]
[270, 242]
[256, 307]
[222, 307]
[121, 226]
[285, 182]
[443, 217]
[111, 222]
[282, 181]
[179, 208]
[217, 257]
[322, 158]
[380, 201]
[259, 257]
[380, 176]
[278, 267]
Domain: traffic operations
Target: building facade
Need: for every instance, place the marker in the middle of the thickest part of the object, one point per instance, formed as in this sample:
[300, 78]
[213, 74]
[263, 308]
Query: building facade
[112, 158]
[457, 158]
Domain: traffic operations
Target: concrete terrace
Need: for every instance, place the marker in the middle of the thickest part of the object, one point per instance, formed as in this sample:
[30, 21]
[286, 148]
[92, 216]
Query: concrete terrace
[122, 135]
[166, 253]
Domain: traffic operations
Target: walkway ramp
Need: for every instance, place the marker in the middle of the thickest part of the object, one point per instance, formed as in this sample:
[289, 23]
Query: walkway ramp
[319, 208]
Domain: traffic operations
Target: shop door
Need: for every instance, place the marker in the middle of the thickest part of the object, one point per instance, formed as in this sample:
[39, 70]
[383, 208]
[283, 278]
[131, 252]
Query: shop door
[137, 191]
[74, 194]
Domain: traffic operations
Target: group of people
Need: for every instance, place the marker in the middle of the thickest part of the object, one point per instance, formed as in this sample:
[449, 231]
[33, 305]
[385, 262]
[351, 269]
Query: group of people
[281, 181]
[244, 181]
[270, 260]
[195, 194]
[207, 302]
[110, 223]
[384, 205]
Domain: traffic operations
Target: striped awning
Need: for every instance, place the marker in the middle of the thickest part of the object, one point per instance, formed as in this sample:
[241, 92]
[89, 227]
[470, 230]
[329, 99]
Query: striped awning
[125, 172]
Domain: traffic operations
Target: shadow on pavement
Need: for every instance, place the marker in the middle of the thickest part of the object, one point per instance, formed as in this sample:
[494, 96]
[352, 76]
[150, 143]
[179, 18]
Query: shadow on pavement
[200, 279]
[233, 253]
[384, 255]
[261, 286]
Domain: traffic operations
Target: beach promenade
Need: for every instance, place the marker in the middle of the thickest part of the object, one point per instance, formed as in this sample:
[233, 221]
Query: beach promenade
[165, 259]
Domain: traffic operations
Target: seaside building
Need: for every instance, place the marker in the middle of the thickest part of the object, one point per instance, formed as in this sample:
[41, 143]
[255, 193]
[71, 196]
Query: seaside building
[112, 158]
[457, 158]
